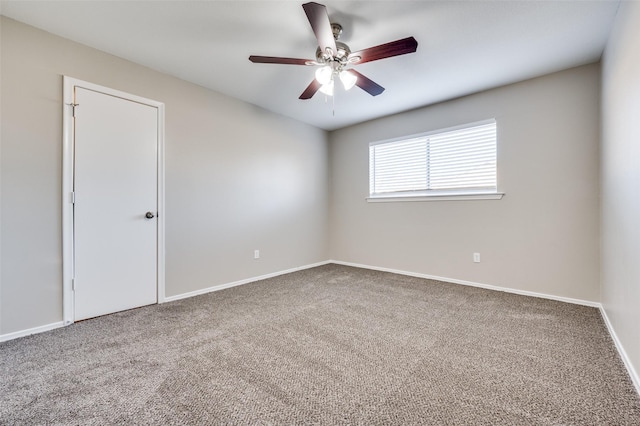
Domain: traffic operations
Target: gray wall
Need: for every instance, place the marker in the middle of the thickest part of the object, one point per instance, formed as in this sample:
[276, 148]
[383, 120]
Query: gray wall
[621, 180]
[543, 236]
[238, 178]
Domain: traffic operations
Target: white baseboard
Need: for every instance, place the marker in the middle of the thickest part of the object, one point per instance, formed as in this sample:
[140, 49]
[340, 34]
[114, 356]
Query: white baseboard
[241, 282]
[47, 327]
[623, 354]
[473, 284]
[30, 331]
[627, 362]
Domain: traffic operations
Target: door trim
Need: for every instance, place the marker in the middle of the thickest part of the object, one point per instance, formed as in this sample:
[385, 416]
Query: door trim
[68, 166]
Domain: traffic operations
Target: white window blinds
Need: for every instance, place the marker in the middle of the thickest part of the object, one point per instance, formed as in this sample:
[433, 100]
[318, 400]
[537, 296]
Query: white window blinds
[456, 161]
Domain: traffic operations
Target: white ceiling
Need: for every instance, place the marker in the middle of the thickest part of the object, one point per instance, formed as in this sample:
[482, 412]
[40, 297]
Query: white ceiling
[463, 46]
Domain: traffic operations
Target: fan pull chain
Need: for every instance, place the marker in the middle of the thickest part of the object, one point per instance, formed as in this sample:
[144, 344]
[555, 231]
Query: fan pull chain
[333, 104]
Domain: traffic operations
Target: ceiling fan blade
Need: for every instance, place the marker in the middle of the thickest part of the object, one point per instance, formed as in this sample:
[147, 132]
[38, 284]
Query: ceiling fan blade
[311, 90]
[319, 20]
[387, 50]
[277, 60]
[366, 84]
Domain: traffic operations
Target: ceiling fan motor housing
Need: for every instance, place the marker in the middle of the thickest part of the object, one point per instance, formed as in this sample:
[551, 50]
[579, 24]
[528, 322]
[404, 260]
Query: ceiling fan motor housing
[329, 57]
[342, 54]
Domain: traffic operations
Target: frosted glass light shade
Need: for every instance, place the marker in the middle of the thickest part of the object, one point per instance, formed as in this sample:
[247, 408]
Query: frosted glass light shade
[327, 89]
[348, 79]
[323, 75]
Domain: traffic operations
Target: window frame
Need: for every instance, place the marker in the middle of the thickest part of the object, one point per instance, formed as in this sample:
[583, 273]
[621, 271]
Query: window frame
[437, 195]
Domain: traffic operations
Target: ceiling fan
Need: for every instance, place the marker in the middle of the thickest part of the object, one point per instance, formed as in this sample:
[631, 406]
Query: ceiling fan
[334, 57]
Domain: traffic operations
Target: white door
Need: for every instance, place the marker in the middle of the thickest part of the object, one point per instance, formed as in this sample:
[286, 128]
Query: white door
[115, 209]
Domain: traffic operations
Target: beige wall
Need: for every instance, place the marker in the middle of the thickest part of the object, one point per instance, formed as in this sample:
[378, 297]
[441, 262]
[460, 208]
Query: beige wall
[238, 178]
[621, 180]
[543, 236]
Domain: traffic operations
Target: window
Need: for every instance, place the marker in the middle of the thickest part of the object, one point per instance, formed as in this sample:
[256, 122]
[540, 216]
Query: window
[447, 163]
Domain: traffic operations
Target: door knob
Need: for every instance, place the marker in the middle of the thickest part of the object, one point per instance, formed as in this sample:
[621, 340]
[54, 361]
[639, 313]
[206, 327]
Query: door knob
[149, 215]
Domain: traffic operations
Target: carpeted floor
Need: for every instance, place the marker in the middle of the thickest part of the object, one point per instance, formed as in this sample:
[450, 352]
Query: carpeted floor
[329, 345]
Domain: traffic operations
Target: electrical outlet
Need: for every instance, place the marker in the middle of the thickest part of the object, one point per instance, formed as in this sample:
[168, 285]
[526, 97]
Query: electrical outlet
[256, 254]
[476, 257]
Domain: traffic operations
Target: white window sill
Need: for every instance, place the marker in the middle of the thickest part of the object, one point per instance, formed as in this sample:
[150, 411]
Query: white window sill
[441, 197]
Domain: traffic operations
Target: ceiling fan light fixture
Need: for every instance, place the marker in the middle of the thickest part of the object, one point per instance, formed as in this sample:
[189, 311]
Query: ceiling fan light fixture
[348, 79]
[324, 75]
[327, 88]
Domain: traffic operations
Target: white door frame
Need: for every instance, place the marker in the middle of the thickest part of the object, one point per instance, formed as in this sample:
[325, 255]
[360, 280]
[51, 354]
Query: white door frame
[68, 166]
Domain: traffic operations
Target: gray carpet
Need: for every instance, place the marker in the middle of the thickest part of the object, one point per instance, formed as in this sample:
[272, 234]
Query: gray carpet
[329, 345]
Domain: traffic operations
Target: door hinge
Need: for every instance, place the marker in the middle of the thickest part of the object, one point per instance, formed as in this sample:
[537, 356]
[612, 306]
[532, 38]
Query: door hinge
[73, 109]
[73, 284]
[73, 197]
